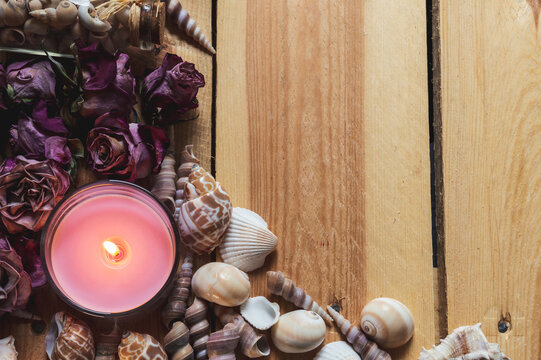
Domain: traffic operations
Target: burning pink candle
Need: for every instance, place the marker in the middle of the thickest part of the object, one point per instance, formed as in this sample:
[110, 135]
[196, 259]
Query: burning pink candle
[110, 248]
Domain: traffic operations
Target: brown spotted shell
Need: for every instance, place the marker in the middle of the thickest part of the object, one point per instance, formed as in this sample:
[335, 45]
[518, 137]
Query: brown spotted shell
[136, 346]
[69, 338]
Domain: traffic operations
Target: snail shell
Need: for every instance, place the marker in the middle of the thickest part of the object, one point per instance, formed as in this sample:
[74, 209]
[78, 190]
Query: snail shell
[12, 37]
[221, 284]
[176, 342]
[89, 19]
[338, 350]
[164, 182]
[196, 319]
[298, 332]
[34, 5]
[260, 312]
[388, 322]
[7, 348]
[187, 161]
[136, 346]
[15, 12]
[221, 344]
[35, 30]
[176, 305]
[69, 338]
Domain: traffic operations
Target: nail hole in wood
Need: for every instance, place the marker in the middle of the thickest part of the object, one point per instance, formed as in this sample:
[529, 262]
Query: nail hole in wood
[38, 327]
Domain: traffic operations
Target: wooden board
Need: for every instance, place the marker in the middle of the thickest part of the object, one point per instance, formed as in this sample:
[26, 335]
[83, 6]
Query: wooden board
[322, 128]
[491, 86]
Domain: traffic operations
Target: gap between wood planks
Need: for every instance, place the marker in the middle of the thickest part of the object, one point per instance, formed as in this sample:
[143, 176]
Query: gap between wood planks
[214, 27]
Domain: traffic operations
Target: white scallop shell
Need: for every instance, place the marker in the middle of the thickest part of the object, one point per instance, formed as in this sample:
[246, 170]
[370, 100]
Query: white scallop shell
[7, 349]
[298, 332]
[260, 312]
[247, 241]
[338, 350]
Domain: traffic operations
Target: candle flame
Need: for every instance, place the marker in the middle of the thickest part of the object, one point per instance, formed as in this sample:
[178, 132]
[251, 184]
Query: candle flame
[111, 248]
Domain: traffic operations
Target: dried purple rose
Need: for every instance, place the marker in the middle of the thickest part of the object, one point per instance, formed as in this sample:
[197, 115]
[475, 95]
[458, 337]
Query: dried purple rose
[29, 190]
[15, 285]
[128, 151]
[172, 88]
[28, 250]
[108, 85]
[31, 81]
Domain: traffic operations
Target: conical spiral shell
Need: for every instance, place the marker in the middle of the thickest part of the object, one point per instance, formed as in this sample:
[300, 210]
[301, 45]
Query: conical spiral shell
[107, 344]
[176, 304]
[278, 284]
[69, 338]
[338, 350]
[136, 346]
[183, 21]
[221, 283]
[176, 342]
[367, 349]
[196, 319]
[164, 183]
[187, 161]
[247, 241]
[221, 344]
[298, 331]
[7, 348]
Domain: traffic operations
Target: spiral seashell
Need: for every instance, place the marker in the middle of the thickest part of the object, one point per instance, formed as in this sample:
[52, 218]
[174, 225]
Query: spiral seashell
[164, 183]
[35, 30]
[187, 161]
[466, 342]
[278, 284]
[298, 331]
[388, 322]
[34, 5]
[338, 350]
[367, 349]
[221, 284]
[176, 305]
[196, 319]
[107, 344]
[221, 344]
[177, 344]
[89, 19]
[7, 348]
[260, 312]
[69, 338]
[183, 21]
[12, 37]
[15, 13]
[136, 346]
[252, 344]
[247, 241]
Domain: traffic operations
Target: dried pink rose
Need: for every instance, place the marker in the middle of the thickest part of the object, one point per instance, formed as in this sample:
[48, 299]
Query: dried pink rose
[29, 191]
[173, 88]
[31, 81]
[28, 250]
[15, 285]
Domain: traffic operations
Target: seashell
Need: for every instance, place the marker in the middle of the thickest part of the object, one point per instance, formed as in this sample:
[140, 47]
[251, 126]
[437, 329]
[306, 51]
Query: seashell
[7, 348]
[260, 312]
[187, 161]
[15, 12]
[466, 342]
[69, 338]
[34, 5]
[177, 344]
[196, 319]
[89, 19]
[12, 37]
[388, 322]
[221, 344]
[35, 30]
[367, 349]
[164, 182]
[183, 21]
[252, 344]
[278, 284]
[247, 241]
[338, 350]
[136, 346]
[221, 283]
[205, 214]
[298, 331]
[107, 344]
[178, 298]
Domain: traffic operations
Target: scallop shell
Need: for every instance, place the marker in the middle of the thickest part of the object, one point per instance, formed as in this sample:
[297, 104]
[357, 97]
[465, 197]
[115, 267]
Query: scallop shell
[388, 322]
[69, 338]
[260, 312]
[221, 284]
[338, 350]
[298, 331]
[7, 348]
[247, 241]
[135, 346]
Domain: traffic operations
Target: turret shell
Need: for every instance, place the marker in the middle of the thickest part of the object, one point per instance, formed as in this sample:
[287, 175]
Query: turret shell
[69, 338]
[221, 284]
[7, 348]
[260, 312]
[176, 342]
[338, 350]
[298, 331]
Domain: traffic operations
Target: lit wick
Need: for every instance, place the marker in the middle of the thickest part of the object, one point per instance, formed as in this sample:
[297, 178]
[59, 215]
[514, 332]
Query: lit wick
[114, 252]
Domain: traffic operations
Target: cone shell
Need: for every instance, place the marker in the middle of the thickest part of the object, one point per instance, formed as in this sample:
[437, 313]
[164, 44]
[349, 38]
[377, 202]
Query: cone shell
[69, 338]
[338, 350]
[260, 312]
[388, 322]
[221, 284]
[247, 241]
[298, 331]
[7, 349]
[135, 346]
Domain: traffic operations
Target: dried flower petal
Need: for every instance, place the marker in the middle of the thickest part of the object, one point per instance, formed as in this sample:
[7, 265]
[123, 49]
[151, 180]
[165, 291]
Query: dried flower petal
[15, 285]
[32, 81]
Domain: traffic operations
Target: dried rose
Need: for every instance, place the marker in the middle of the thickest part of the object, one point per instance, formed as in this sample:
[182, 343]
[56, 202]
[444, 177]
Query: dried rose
[30, 81]
[29, 192]
[128, 151]
[108, 85]
[15, 285]
[28, 250]
[172, 87]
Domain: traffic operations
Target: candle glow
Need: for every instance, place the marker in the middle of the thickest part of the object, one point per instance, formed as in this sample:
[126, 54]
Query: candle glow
[111, 248]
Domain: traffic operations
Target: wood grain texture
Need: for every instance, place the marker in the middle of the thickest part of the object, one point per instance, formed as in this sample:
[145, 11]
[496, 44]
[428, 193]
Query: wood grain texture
[44, 302]
[322, 128]
[491, 86]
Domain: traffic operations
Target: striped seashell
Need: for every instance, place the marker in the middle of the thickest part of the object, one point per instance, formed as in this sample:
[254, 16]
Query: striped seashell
[187, 161]
[107, 344]
[221, 284]
[247, 241]
[136, 346]
[178, 298]
[176, 342]
[221, 344]
[338, 350]
[69, 338]
[164, 183]
[7, 348]
[298, 331]
[196, 319]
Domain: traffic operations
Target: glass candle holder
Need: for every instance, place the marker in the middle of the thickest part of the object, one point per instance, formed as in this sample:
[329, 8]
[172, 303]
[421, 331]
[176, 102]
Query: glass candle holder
[110, 249]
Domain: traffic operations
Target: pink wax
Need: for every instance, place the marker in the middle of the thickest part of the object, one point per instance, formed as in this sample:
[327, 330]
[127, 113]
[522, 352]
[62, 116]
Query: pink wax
[87, 277]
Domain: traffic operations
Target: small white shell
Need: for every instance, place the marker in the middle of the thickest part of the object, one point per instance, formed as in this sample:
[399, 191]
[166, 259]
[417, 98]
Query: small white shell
[260, 312]
[7, 348]
[298, 332]
[247, 241]
[338, 350]
[221, 283]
